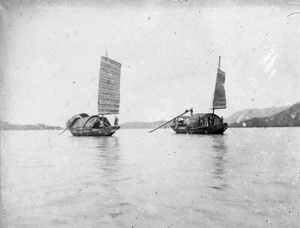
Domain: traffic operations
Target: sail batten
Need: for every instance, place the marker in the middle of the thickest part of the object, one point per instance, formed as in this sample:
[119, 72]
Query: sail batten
[219, 101]
[109, 86]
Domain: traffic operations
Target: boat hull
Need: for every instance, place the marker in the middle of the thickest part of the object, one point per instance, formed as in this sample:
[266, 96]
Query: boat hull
[214, 129]
[104, 131]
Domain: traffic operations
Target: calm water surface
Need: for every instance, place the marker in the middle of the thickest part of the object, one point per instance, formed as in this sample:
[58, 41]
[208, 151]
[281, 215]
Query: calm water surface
[245, 178]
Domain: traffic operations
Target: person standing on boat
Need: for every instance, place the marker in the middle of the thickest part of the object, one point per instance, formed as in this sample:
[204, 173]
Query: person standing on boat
[116, 121]
[192, 112]
[176, 122]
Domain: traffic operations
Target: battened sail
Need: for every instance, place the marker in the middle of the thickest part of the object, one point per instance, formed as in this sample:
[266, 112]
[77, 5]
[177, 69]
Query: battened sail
[219, 101]
[109, 86]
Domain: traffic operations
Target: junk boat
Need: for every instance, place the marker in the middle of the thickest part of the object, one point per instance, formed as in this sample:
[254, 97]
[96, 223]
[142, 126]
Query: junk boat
[205, 123]
[108, 104]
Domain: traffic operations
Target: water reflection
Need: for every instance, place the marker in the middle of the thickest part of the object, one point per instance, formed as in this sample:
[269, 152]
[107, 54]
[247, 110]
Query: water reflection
[219, 162]
[113, 202]
[108, 154]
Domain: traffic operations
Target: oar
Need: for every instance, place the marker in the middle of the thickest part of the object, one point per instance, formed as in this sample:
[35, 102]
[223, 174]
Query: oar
[171, 120]
[63, 131]
[231, 129]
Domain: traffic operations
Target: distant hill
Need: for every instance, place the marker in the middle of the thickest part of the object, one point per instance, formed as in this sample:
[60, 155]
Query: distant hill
[267, 117]
[8, 126]
[253, 113]
[287, 118]
[144, 125]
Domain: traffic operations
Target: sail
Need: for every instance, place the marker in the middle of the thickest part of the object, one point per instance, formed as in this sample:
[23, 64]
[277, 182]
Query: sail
[219, 101]
[109, 86]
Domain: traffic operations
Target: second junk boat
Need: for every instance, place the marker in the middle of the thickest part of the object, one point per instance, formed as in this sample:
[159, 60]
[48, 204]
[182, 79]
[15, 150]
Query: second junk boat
[205, 123]
[108, 104]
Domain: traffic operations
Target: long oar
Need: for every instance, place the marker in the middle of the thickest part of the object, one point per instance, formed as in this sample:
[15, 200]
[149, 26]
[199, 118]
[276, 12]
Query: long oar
[63, 131]
[171, 120]
[231, 129]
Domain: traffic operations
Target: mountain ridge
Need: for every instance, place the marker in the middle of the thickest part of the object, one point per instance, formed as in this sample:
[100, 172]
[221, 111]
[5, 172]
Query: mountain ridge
[234, 120]
[254, 113]
[286, 118]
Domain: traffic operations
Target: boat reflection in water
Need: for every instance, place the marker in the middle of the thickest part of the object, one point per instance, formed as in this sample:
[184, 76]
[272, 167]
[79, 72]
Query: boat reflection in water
[111, 201]
[108, 155]
[219, 162]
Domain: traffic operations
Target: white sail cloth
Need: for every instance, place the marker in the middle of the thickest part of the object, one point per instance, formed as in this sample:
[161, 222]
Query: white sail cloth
[109, 86]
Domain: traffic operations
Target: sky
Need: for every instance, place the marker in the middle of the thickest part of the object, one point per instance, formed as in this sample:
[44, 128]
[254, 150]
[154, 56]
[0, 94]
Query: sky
[169, 51]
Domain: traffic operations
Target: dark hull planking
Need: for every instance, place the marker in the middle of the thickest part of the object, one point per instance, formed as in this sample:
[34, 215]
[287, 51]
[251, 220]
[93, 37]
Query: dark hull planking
[215, 129]
[104, 131]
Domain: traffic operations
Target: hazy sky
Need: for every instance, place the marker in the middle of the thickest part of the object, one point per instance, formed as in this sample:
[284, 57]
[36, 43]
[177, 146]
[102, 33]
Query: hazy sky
[169, 52]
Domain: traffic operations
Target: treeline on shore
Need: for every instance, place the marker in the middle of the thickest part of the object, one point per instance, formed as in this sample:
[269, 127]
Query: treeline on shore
[8, 126]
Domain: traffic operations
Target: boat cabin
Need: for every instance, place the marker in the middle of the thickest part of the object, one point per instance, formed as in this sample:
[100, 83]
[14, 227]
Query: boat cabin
[180, 121]
[84, 121]
[197, 120]
[205, 120]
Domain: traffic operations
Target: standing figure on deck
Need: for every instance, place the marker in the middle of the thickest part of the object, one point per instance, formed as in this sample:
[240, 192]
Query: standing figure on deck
[116, 121]
[97, 124]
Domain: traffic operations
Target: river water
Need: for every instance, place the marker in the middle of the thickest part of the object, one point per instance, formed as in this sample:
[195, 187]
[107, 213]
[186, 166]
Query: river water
[244, 178]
